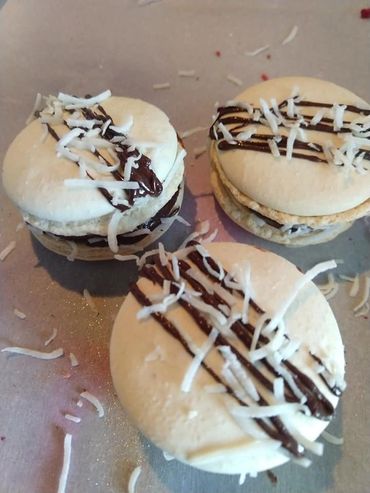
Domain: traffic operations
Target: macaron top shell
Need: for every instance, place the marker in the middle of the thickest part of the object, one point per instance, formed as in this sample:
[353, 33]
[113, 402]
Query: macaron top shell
[148, 367]
[298, 186]
[34, 175]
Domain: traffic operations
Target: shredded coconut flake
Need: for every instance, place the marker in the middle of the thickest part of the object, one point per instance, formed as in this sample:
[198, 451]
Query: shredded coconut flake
[74, 250]
[7, 250]
[94, 401]
[163, 85]
[168, 456]
[133, 479]
[290, 143]
[257, 51]
[57, 353]
[90, 301]
[107, 184]
[365, 295]
[36, 107]
[66, 463]
[355, 286]
[51, 338]
[198, 151]
[332, 439]
[70, 417]
[290, 36]
[234, 80]
[197, 361]
[363, 311]
[186, 73]
[306, 278]
[156, 354]
[192, 131]
[72, 102]
[113, 231]
[216, 388]
[19, 314]
[73, 359]
[20, 226]
[318, 116]
[242, 478]
[126, 258]
[143, 3]
[273, 148]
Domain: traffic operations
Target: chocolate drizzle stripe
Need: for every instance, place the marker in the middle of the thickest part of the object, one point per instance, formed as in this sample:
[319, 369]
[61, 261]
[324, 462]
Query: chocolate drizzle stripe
[149, 183]
[167, 211]
[281, 433]
[197, 259]
[318, 404]
[173, 331]
[103, 191]
[230, 115]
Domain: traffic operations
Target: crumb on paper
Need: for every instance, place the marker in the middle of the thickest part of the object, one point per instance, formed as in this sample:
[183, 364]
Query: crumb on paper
[218, 53]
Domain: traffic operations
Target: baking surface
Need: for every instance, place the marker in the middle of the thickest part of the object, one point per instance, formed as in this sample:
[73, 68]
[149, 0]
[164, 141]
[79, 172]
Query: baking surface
[85, 47]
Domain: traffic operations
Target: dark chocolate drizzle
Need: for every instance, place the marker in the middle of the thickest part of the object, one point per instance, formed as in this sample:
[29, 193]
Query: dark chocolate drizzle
[264, 372]
[167, 211]
[149, 183]
[237, 118]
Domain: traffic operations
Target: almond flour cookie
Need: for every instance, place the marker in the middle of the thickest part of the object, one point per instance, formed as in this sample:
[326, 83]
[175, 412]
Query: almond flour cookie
[290, 160]
[96, 176]
[228, 358]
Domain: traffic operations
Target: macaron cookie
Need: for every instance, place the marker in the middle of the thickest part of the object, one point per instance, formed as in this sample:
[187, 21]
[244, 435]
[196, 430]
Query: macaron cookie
[96, 176]
[290, 160]
[228, 358]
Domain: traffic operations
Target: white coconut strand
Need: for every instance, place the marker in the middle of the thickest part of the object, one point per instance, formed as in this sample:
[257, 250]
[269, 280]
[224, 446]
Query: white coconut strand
[197, 361]
[107, 184]
[305, 279]
[7, 250]
[331, 438]
[365, 294]
[239, 372]
[292, 34]
[57, 353]
[133, 479]
[272, 346]
[257, 51]
[36, 107]
[267, 411]
[270, 117]
[113, 231]
[72, 102]
[94, 401]
[66, 463]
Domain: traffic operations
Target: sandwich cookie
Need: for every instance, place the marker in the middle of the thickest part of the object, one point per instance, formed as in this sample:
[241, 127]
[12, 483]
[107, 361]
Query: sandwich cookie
[96, 176]
[228, 358]
[290, 160]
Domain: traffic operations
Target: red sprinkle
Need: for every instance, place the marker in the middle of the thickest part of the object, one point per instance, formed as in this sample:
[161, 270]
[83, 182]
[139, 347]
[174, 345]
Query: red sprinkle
[264, 77]
[365, 13]
[218, 53]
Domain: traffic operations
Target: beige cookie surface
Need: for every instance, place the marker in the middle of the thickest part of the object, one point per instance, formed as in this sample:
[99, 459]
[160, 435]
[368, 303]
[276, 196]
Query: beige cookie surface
[298, 186]
[148, 366]
[34, 175]
[247, 219]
